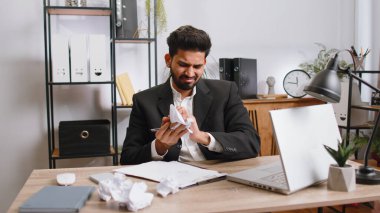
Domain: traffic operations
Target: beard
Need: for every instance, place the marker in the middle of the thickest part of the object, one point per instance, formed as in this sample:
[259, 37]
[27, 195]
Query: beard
[179, 81]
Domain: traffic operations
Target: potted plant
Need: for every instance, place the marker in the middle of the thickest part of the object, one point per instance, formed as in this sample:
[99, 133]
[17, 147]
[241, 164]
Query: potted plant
[341, 175]
[323, 57]
[160, 14]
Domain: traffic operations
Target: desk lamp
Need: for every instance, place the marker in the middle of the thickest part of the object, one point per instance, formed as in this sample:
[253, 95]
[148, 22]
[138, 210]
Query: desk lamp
[325, 86]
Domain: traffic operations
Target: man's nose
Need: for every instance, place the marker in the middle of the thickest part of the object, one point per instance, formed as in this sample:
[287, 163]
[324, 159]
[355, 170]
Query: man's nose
[190, 71]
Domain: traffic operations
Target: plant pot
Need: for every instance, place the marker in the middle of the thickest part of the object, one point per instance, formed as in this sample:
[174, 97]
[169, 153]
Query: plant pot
[376, 157]
[341, 178]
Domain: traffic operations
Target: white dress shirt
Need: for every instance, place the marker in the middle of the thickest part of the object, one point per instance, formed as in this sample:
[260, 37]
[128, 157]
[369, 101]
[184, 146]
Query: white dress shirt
[190, 150]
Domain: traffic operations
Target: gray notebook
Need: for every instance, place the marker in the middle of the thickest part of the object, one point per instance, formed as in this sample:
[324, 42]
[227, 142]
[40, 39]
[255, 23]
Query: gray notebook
[57, 199]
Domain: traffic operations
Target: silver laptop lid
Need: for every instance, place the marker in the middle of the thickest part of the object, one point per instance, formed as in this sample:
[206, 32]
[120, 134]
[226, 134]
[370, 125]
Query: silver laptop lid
[300, 134]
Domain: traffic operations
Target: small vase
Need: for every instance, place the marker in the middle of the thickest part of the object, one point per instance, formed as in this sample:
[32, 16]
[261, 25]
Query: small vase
[341, 178]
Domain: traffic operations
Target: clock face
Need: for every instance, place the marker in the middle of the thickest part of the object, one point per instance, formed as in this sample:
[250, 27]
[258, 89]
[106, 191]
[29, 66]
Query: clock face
[295, 81]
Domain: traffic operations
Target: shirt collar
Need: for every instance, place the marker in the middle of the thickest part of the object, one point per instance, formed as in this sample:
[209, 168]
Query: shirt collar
[177, 95]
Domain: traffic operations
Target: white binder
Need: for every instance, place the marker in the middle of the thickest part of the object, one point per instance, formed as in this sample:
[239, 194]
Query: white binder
[358, 116]
[78, 56]
[60, 58]
[98, 58]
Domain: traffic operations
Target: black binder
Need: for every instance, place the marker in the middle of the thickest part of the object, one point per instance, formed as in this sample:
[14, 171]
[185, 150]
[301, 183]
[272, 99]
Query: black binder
[126, 19]
[245, 77]
[226, 68]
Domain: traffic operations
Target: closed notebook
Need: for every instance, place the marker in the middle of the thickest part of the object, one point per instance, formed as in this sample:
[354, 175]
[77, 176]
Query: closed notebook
[57, 199]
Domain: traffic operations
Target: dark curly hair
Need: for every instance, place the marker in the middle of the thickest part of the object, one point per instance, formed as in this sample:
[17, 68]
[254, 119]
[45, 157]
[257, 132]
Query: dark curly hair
[188, 38]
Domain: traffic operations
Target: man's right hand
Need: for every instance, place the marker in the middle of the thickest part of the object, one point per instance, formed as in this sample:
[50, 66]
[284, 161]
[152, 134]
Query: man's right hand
[167, 137]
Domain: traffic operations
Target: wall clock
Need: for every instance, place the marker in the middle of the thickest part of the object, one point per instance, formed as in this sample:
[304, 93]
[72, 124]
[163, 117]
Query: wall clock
[294, 82]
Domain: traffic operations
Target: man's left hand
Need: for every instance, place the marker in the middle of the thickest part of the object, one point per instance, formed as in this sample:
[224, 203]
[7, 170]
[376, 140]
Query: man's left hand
[197, 135]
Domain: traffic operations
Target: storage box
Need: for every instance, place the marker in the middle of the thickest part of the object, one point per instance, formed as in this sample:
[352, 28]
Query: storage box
[86, 137]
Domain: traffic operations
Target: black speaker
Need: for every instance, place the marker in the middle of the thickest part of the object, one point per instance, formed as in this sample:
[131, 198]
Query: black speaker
[226, 68]
[245, 77]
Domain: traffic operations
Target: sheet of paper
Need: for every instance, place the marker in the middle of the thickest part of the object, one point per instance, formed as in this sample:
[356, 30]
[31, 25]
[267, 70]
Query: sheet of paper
[176, 117]
[185, 175]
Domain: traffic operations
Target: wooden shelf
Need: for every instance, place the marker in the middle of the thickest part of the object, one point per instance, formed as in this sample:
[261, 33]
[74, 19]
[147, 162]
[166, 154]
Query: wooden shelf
[134, 40]
[363, 126]
[81, 11]
[79, 83]
[56, 155]
[119, 105]
[366, 107]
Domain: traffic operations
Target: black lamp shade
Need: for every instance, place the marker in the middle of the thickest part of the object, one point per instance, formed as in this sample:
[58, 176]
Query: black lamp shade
[326, 84]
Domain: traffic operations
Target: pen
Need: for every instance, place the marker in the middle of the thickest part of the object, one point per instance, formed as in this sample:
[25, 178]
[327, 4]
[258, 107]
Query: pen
[354, 51]
[366, 52]
[154, 129]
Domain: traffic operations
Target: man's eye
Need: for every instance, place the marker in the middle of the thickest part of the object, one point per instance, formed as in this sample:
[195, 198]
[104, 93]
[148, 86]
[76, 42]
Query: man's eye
[197, 66]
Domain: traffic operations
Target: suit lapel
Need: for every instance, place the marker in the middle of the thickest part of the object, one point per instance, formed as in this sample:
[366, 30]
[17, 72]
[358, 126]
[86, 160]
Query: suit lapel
[165, 99]
[202, 102]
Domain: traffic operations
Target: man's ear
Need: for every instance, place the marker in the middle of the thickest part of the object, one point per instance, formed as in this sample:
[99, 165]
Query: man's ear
[168, 60]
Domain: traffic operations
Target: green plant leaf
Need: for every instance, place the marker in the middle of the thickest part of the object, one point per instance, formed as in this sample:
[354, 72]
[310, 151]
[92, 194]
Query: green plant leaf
[343, 153]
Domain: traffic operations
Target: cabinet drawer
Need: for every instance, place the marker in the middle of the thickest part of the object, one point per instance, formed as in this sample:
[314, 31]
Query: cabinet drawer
[85, 137]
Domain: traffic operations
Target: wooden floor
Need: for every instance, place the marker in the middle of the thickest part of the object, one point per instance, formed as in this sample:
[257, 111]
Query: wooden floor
[349, 209]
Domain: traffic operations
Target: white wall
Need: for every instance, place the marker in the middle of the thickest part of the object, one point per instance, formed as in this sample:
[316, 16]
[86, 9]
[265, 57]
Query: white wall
[280, 34]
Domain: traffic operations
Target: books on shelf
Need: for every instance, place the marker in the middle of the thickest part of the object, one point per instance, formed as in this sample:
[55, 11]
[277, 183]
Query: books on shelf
[125, 88]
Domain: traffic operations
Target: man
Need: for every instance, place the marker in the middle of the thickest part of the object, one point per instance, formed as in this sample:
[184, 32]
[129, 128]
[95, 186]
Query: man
[221, 128]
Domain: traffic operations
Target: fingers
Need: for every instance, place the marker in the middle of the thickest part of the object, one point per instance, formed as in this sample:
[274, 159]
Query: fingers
[162, 129]
[165, 120]
[179, 130]
[170, 136]
[183, 112]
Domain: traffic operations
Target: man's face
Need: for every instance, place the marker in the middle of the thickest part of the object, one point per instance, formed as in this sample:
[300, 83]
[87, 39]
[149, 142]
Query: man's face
[186, 68]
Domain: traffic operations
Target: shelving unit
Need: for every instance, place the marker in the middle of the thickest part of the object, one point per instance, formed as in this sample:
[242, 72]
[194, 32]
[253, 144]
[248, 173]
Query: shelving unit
[53, 150]
[375, 108]
[150, 41]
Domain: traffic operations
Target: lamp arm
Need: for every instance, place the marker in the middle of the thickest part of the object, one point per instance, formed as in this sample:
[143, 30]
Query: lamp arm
[368, 149]
[348, 72]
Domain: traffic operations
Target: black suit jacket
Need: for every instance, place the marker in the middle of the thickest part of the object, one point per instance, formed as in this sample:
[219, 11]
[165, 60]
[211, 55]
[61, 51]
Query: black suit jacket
[218, 110]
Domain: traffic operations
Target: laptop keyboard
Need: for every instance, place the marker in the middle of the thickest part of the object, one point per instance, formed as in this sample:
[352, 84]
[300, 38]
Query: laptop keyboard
[277, 178]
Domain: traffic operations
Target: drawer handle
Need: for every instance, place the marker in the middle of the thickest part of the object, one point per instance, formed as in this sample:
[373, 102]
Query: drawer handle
[84, 134]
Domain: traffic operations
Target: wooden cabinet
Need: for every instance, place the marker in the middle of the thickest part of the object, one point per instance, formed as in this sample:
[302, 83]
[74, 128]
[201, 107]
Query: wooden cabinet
[258, 110]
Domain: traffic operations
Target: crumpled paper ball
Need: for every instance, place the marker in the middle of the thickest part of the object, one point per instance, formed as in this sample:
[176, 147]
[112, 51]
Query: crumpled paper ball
[124, 191]
[167, 186]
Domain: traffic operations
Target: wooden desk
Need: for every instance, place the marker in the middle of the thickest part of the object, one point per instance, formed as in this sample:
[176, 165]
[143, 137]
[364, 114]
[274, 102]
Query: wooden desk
[258, 110]
[221, 196]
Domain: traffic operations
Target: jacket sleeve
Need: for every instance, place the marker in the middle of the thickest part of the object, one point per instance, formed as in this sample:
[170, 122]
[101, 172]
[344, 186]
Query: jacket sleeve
[239, 140]
[136, 147]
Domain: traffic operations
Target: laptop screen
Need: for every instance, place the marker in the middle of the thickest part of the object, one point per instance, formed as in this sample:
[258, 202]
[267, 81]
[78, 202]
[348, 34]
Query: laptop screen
[301, 133]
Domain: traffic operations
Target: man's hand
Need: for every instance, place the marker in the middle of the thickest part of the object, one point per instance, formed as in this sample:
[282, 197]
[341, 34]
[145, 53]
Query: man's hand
[197, 135]
[166, 136]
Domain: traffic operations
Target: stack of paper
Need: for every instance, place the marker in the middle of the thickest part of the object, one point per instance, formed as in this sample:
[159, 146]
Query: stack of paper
[125, 89]
[186, 175]
[57, 199]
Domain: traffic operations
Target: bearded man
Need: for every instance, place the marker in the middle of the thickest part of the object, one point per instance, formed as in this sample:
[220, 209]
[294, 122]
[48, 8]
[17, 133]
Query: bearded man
[220, 127]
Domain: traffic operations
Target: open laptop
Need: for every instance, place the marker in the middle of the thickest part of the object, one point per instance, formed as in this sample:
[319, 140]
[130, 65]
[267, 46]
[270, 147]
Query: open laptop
[300, 135]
